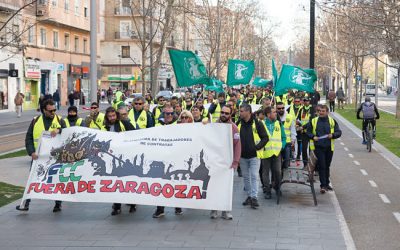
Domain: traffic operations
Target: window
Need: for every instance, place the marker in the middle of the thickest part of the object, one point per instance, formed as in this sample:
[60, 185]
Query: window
[76, 7]
[85, 11]
[66, 5]
[54, 3]
[43, 40]
[55, 39]
[76, 45]
[66, 41]
[84, 45]
[43, 2]
[125, 52]
[31, 34]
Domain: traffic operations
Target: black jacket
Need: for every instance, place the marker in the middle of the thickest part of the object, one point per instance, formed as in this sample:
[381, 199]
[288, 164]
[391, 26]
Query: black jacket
[30, 148]
[213, 107]
[249, 148]
[323, 128]
[128, 126]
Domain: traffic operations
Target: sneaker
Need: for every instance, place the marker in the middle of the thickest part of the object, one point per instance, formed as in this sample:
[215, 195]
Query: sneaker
[158, 213]
[214, 214]
[322, 191]
[57, 208]
[19, 208]
[115, 212]
[227, 215]
[364, 142]
[132, 208]
[178, 211]
[254, 203]
[268, 195]
[329, 188]
[247, 201]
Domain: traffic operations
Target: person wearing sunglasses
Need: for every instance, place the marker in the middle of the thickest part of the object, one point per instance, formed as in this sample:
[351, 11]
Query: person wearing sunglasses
[48, 121]
[226, 117]
[95, 119]
[139, 117]
[185, 117]
[158, 110]
[168, 119]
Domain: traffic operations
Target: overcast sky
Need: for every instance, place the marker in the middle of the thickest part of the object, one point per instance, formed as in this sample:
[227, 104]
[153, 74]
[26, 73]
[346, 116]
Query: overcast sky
[292, 17]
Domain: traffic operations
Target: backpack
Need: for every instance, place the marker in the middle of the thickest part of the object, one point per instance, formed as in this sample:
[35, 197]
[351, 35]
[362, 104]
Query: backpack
[368, 109]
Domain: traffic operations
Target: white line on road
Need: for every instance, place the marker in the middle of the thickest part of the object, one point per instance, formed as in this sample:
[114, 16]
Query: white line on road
[384, 198]
[342, 143]
[372, 183]
[397, 216]
[363, 172]
[346, 149]
[357, 163]
[351, 155]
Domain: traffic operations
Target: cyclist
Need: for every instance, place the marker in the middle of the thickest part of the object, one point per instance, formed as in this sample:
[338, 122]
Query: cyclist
[370, 113]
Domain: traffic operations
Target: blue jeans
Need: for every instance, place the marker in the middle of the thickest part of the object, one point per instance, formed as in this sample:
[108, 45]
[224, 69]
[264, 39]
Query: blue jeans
[250, 168]
[286, 155]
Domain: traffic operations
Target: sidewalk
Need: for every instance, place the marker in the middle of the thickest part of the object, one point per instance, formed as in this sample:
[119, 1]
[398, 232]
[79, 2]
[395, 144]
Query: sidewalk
[9, 118]
[294, 224]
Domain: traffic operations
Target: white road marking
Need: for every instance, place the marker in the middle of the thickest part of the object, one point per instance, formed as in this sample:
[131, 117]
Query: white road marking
[397, 216]
[339, 139]
[363, 172]
[351, 155]
[346, 149]
[348, 239]
[357, 163]
[342, 143]
[390, 161]
[372, 183]
[384, 198]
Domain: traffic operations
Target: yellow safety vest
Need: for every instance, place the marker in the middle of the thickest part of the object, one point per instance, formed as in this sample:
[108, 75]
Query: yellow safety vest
[274, 144]
[292, 111]
[38, 128]
[184, 105]
[142, 119]
[204, 113]
[157, 114]
[217, 113]
[77, 123]
[287, 123]
[256, 138]
[98, 123]
[304, 120]
[116, 103]
[120, 124]
[283, 99]
[314, 131]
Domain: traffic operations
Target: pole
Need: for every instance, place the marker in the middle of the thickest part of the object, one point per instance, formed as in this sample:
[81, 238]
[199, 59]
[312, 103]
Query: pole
[93, 50]
[376, 79]
[312, 33]
[217, 52]
[152, 36]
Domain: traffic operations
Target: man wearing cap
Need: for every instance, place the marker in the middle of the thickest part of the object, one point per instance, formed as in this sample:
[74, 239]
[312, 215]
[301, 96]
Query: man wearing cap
[306, 113]
[73, 119]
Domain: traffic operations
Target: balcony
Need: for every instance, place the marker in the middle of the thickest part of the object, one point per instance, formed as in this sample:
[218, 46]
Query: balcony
[9, 5]
[123, 11]
[126, 35]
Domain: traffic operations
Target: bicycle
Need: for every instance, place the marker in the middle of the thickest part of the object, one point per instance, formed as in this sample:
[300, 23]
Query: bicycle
[369, 134]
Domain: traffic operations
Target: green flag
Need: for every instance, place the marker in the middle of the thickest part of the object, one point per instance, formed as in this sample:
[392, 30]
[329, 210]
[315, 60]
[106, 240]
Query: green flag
[239, 72]
[216, 85]
[260, 82]
[293, 77]
[274, 73]
[188, 68]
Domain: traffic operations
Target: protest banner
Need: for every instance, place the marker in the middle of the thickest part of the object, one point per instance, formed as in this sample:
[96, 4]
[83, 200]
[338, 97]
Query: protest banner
[183, 165]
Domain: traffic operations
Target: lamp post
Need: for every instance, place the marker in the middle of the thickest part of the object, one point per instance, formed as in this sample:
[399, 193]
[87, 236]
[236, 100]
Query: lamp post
[312, 33]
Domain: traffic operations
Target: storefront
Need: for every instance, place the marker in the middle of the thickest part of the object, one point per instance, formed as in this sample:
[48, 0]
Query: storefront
[48, 79]
[3, 89]
[31, 88]
[74, 77]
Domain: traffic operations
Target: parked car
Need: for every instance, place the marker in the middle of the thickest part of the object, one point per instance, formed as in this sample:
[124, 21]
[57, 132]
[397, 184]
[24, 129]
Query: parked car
[370, 89]
[165, 93]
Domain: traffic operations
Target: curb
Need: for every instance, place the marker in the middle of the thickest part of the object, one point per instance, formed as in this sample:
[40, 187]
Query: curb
[11, 151]
[389, 156]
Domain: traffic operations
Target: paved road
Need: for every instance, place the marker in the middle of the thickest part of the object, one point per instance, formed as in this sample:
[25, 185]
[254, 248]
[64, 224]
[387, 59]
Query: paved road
[386, 103]
[367, 187]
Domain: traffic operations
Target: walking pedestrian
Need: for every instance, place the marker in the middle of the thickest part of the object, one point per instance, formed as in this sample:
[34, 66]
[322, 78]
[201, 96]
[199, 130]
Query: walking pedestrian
[226, 117]
[271, 158]
[71, 98]
[139, 117]
[77, 98]
[56, 99]
[290, 131]
[95, 119]
[215, 107]
[341, 97]
[18, 101]
[113, 123]
[41, 104]
[323, 131]
[253, 138]
[73, 119]
[331, 98]
[306, 113]
[48, 121]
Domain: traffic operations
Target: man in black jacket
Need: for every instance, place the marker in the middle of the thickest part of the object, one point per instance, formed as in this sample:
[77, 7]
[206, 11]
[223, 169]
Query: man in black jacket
[322, 131]
[48, 121]
[253, 137]
[113, 123]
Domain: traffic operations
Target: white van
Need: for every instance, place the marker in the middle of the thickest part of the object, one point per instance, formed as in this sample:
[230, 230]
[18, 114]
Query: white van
[370, 89]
